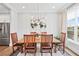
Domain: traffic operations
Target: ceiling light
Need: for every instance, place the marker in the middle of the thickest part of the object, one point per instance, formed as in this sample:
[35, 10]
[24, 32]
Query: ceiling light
[23, 6]
[53, 7]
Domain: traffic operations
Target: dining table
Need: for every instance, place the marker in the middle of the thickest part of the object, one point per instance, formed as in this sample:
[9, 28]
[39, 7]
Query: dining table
[55, 42]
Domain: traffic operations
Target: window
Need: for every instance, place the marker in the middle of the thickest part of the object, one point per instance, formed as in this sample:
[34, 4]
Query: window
[70, 28]
[73, 23]
[70, 32]
[78, 28]
[78, 33]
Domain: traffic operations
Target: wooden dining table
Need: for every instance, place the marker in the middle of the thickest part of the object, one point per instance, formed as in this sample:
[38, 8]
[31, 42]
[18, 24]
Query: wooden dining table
[55, 42]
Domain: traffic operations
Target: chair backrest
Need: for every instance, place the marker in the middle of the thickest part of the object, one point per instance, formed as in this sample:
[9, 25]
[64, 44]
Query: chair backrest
[29, 39]
[33, 33]
[43, 33]
[14, 37]
[47, 38]
[62, 36]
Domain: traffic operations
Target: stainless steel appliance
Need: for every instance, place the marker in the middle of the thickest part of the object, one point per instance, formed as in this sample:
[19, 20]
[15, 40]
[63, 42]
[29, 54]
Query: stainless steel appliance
[4, 33]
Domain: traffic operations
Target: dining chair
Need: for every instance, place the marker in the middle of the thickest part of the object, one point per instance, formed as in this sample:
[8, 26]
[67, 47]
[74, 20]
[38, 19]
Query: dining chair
[43, 33]
[46, 44]
[30, 44]
[33, 33]
[62, 39]
[15, 42]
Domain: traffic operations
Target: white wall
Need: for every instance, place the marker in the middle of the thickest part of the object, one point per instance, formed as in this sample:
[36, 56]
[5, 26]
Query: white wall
[64, 21]
[52, 21]
[4, 14]
[13, 23]
[5, 17]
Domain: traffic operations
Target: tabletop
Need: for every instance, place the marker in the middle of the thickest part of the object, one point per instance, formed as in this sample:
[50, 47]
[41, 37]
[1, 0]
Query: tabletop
[39, 40]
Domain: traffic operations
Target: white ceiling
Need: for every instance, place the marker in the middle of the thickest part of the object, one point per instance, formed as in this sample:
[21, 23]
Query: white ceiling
[4, 9]
[39, 7]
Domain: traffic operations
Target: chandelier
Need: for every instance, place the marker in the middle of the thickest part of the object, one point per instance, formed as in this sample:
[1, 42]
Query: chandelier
[36, 22]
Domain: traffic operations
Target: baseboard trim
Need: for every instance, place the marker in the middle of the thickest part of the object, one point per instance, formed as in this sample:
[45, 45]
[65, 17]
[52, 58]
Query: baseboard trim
[72, 51]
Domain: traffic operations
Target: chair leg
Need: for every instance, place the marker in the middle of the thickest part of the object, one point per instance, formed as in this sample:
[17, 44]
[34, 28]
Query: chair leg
[41, 54]
[22, 49]
[59, 47]
[35, 49]
[25, 53]
[63, 48]
[52, 45]
[55, 48]
[34, 53]
[13, 49]
[51, 52]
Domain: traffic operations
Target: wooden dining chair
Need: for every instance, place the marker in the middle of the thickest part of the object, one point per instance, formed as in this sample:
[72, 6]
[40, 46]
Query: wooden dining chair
[15, 42]
[46, 44]
[44, 33]
[33, 33]
[62, 39]
[30, 44]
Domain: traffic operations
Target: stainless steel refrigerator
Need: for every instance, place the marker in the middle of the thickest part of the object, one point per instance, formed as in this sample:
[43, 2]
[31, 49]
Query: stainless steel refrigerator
[4, 33]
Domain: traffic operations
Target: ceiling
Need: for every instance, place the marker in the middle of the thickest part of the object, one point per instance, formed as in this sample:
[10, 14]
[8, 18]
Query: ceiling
[39, 7]
[4, 9]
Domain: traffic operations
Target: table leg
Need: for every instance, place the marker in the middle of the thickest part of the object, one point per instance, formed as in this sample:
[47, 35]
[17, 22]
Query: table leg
[55, 48]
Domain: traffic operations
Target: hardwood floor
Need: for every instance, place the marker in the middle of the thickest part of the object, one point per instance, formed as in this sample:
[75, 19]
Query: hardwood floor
[5, 50]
